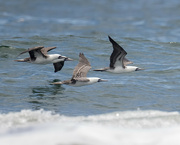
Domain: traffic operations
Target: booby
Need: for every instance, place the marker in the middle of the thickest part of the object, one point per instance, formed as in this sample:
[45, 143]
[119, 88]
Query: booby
[118, 62]
[39, 55]
[79, 77]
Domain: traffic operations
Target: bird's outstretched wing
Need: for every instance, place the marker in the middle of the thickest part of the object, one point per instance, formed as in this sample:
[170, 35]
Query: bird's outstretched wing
[46, 49]
[58, 66]
[34, 52]
[118, 55]
[82, 68]
[32, 49]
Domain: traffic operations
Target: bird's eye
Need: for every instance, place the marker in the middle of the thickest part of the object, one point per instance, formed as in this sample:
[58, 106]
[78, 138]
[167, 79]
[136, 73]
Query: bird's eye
[59, 57]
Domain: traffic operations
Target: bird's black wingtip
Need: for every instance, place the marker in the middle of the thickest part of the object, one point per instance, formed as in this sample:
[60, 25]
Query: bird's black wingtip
[111, 40]
[109, 37]
[56, 71]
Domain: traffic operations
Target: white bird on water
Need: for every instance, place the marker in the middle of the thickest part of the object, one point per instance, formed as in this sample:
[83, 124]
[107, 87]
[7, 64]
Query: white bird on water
[39, 55]
[79, 77]
[118, 62]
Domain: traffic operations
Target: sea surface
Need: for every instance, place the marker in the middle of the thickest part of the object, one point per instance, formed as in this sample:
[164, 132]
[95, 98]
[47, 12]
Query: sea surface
[137, 108]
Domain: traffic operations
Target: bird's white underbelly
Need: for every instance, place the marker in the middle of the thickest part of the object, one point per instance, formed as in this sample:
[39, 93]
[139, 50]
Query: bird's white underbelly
[123, 70]
[78, 84]
[41, 60]
[92, 80]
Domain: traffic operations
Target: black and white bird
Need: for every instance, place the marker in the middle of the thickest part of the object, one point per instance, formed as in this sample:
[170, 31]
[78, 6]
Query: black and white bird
[79, 77]
[39, 55]
[118, 62]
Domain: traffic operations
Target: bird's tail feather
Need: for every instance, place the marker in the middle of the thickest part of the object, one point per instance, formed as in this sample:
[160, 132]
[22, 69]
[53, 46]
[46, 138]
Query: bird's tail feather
[101, 69]
[20, 60]
[57, 83]
[23, 60]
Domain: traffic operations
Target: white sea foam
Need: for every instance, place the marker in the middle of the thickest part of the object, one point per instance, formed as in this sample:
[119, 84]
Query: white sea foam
[127, 128]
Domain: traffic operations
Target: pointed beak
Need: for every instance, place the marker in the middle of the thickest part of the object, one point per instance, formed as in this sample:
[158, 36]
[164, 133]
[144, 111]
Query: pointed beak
[102, 80]
[68, 59]
[138, 69]
[65, 58]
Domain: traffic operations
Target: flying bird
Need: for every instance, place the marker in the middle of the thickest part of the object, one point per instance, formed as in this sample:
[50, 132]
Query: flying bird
[79, 77]
[118, 62]
[39, 55]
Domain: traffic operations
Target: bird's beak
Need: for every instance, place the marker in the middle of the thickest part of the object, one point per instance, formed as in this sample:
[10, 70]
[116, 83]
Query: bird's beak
[138, 69]
[102, 80]
[65, 58]
[68, 59]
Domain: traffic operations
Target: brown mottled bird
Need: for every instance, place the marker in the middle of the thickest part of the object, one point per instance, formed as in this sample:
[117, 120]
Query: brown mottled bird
[79, 77]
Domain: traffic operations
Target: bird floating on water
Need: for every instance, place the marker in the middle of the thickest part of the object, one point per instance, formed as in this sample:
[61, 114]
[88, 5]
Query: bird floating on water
[39, 55]
[79, 77]
[118, 62]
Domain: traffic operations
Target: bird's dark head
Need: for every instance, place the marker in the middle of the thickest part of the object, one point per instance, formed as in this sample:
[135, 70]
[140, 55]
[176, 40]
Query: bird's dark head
[102, 80]
[58, 58]
[64, 58]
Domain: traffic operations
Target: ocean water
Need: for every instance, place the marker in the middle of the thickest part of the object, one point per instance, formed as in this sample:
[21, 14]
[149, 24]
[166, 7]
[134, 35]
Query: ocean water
[134, 108]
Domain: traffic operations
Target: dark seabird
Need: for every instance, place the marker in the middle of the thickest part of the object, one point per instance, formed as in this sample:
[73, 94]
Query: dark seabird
[118, 62]
[79, 77]
[39, 55]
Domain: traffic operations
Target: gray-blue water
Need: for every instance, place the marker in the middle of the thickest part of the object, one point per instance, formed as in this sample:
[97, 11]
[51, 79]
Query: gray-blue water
[148, 30]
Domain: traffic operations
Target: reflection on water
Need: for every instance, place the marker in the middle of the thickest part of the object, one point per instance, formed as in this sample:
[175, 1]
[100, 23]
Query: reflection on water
[47, 90]
[46, 96]
[6, 52]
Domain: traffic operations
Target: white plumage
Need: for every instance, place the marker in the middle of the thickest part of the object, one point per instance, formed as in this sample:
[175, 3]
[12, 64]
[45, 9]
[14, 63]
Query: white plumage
[39, 55]
[118, 62]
